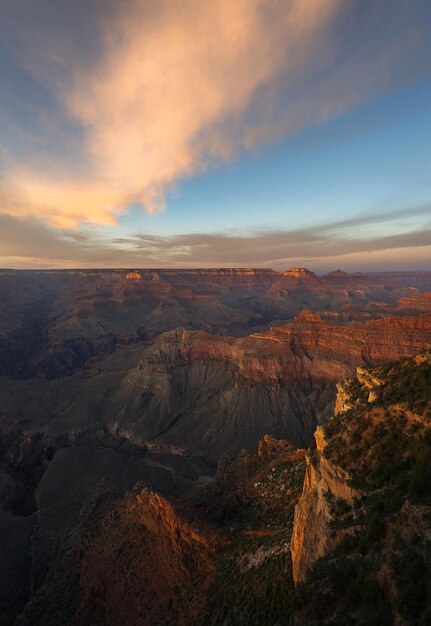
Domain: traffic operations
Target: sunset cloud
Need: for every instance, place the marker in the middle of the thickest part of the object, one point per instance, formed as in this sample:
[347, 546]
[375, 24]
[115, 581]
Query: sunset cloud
[24, 243]
[175, 87]
[169, 72]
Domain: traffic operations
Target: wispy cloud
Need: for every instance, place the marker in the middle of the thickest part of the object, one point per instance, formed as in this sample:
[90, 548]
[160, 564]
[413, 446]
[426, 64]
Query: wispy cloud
[173, 87]
[31, 243]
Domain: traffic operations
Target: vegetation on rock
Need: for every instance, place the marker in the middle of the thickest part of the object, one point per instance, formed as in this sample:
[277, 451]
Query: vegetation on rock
[379, 571]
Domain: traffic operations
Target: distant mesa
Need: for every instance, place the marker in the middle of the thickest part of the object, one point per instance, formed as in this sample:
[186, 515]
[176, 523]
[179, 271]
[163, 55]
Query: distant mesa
[338, 273]
[133, 276]
[299, 272]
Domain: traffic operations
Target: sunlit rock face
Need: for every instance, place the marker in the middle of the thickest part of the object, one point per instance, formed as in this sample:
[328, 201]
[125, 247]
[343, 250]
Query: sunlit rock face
[301, 273]
[136, 559]
[365, 503]
[149, 558]
[133, 276]
[52, 322]
[312, 535]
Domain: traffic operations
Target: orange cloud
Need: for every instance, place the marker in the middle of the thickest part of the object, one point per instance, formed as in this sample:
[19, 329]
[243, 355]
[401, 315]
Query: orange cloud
[179, 85]
[173, 80]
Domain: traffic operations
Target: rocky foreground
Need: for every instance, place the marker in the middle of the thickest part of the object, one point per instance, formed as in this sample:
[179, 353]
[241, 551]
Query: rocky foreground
[362, 529]
[337, 534]
[221, 558]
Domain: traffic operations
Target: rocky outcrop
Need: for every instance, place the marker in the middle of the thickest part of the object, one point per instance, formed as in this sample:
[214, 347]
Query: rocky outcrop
[326, 483]
[300, 273]
[343, 400]
[369, 381]
[360, 544]
[144, 559]
[312, 535]
[132, 560]
[46, 479]
[270, 446]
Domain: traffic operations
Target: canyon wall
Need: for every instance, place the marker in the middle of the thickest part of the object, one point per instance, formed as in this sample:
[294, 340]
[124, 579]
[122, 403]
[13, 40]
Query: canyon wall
[52, 321]
[210, 394]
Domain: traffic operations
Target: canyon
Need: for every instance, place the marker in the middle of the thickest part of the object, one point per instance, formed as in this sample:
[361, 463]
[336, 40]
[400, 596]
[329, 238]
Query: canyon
[53, 321]
[161, 417]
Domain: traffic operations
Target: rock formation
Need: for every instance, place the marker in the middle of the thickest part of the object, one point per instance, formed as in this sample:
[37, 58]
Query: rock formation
[360, 542]
[145, 559]
[312, 536]
[209, 394]
[52, 321]
[137, 560]
[300, 273]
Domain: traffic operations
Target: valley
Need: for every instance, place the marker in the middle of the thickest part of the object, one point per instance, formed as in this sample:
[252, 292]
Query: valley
[162, 417]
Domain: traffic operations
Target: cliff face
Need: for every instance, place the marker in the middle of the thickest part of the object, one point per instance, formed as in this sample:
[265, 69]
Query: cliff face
[211, 394]
[312, 536]
[281, 381]
[51, 322]
[414, 302]
[373, 340]
[362, 524]
[307, 346]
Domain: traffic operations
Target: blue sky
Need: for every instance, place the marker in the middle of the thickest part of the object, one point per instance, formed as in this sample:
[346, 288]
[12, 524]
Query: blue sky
[375, 158]
[222, 153]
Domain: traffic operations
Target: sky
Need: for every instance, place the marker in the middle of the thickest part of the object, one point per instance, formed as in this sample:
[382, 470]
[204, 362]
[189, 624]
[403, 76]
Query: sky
[183, 133]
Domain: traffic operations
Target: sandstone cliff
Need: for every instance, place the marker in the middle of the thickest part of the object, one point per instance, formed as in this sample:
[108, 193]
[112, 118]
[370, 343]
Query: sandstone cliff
[312, 536]
[362, 525]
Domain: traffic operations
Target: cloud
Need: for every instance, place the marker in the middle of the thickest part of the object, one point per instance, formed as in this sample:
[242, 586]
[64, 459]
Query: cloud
[30, 243]
[170, 88]
[169, 72]
[273, 249]
[277, 248]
